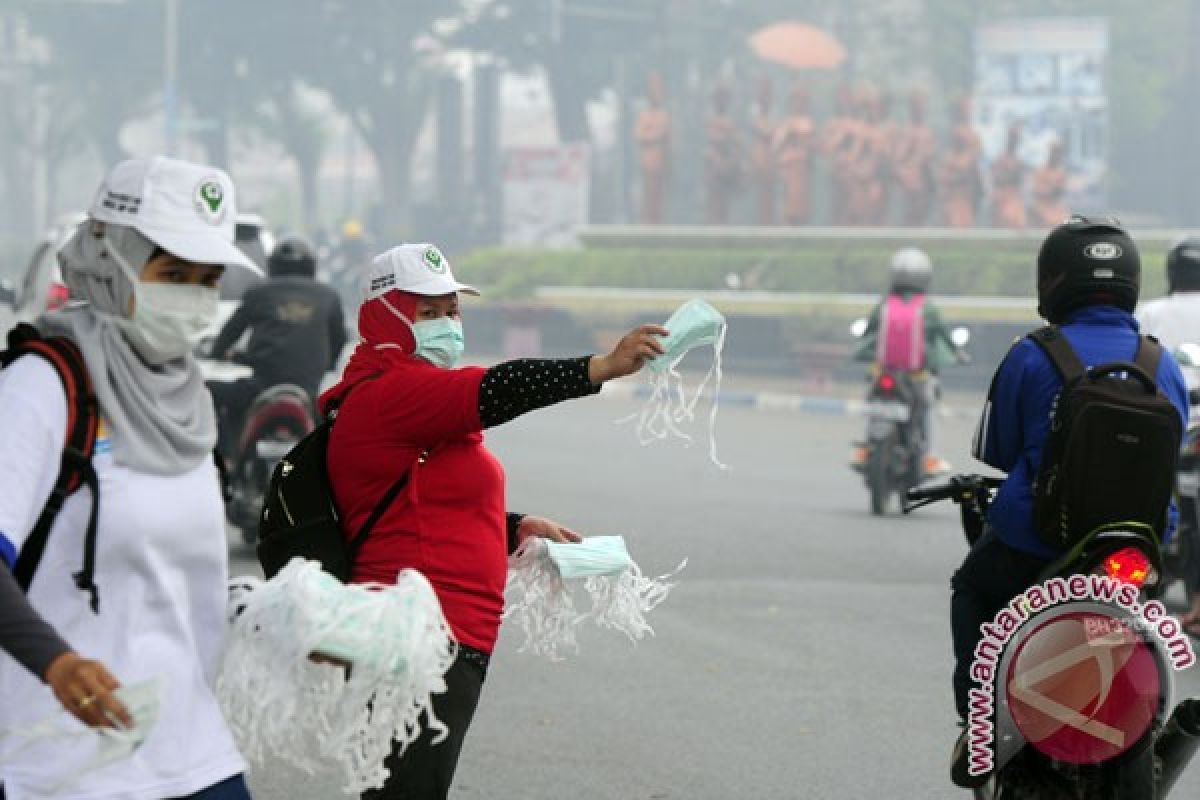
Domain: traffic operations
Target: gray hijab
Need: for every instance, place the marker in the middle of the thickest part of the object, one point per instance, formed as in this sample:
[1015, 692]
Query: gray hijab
[160, 417]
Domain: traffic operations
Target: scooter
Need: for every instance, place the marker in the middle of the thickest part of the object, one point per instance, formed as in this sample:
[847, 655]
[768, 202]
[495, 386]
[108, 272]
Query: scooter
[278, 418]
[1081, 703]
[896, 439]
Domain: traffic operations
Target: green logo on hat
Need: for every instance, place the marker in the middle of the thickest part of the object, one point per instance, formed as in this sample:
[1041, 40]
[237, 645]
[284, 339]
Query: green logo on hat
[210, 200]
[435, 260]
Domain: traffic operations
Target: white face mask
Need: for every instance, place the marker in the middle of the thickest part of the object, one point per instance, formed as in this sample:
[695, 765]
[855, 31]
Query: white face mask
[168, 318]
[141, 700]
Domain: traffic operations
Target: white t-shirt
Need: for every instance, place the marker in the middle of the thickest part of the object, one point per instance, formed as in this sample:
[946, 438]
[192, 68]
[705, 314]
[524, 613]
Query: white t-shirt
[1173, 320]
[161, 570]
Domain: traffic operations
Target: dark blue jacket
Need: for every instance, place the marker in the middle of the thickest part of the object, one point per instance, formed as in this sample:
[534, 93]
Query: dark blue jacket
[1016, 418]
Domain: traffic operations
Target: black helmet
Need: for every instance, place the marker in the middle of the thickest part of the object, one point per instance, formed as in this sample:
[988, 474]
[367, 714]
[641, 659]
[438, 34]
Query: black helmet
[293, 255]
[1183, 265]
[1087, 261]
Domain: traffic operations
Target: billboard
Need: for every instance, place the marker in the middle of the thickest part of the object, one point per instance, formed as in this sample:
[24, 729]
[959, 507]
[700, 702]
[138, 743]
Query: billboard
[1047, 75]
[545, 194]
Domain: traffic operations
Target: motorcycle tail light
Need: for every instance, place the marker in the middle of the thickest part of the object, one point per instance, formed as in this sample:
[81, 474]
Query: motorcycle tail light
[1130, 565]
[57, 296]
[887, 383]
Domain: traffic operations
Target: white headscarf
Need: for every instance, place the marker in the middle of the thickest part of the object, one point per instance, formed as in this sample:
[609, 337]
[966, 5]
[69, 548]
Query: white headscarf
[160, 418]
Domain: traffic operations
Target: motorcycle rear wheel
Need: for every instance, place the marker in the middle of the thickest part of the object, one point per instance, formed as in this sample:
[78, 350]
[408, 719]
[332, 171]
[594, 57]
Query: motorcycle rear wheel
[879, 473]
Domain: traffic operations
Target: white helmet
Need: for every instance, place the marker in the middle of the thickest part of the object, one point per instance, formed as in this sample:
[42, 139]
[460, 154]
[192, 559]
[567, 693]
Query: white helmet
[911, 270]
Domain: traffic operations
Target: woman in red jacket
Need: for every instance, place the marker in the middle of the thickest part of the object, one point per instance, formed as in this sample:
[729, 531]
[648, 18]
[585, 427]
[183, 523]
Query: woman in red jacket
[407, 409]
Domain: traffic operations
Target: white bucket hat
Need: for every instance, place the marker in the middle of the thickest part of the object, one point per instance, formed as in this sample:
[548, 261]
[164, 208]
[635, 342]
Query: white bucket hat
[414, 268]
[186, 209]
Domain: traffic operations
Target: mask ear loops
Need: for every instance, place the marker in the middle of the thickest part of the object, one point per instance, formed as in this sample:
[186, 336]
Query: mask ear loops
[619, 594]
[669, 404]
[539, 601]
[277, 700]
[715, 370]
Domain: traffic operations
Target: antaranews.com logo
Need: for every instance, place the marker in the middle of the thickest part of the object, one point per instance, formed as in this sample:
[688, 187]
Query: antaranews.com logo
[1084, 682]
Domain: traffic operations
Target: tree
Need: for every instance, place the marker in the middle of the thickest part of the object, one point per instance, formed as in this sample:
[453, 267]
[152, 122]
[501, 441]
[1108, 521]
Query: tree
[373, 58]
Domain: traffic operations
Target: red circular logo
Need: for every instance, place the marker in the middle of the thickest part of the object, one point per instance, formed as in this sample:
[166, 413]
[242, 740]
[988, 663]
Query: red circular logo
[1083, 687]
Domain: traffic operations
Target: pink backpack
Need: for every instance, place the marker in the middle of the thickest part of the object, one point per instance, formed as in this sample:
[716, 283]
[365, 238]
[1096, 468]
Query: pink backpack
[902, 333]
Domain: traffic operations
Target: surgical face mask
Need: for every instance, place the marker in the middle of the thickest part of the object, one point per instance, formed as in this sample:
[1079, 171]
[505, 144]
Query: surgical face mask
[169, 319]
[439, 341]
[693, 324]
[141, 700]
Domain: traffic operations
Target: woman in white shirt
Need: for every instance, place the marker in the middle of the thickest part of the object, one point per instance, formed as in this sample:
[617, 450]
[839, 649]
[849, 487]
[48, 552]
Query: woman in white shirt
[146, 262]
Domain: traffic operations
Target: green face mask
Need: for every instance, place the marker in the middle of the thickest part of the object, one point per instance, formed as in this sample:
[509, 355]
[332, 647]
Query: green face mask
[695, 323]
[670, 408]
[544, 577]
[439, 341]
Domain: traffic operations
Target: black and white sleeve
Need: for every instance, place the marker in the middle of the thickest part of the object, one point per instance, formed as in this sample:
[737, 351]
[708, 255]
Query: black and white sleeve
[511, 389]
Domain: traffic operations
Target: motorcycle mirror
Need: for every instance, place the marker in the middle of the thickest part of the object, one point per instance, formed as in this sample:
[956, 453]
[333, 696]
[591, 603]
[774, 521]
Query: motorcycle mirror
[960, 336]
[1188, 354]
[858, 327]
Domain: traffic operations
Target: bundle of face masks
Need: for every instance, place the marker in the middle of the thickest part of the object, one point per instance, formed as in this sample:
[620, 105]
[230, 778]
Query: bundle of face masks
[694, 324]
[389, 646]
[543, 574]
[141, 700]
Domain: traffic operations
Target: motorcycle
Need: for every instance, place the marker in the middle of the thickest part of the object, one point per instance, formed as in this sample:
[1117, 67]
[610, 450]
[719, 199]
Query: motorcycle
[1081, 702]
[277, 420]
[895, 440]
[896, 437]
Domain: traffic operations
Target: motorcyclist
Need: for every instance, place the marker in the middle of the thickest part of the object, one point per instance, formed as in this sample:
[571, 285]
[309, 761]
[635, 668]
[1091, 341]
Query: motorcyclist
[1088, 278]
[1175, 320]
[905, 331]
[297, 333]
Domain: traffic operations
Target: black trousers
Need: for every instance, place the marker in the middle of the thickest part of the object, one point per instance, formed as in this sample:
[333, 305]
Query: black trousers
[991, 575]
[426, 770]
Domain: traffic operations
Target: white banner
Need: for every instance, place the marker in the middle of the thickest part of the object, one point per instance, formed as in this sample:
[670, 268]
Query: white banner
[1047, 75]
[545, 194]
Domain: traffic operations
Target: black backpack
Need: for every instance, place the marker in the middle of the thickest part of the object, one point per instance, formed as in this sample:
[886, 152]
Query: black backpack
[1113, 445]
[299, 517]
[83, 418]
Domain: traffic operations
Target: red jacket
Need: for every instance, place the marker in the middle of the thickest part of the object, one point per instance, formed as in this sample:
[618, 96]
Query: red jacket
[448, 522]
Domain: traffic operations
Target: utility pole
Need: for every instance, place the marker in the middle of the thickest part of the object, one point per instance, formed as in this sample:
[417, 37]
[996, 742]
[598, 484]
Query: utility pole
[170, 75]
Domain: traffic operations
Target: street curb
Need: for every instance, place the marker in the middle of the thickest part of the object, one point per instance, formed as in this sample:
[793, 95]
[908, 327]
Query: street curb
[774, 401]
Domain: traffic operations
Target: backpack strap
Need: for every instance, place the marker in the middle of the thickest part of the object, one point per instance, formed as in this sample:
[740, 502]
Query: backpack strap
[357, 542]
[1056, 347]
[76, 468]
[1149, 354]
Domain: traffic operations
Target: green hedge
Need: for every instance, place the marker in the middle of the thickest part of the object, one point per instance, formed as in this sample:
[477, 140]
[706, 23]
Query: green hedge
[974, 268]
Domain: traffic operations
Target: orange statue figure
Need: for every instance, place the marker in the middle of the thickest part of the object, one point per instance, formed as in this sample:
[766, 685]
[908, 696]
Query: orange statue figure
[762, 155]
[652, 132]
[722, 159]
[866, 162]
[912, 152]
[837, 145]
[1047, 188]
[958, 173]
[794, 141]
[1008, 178]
